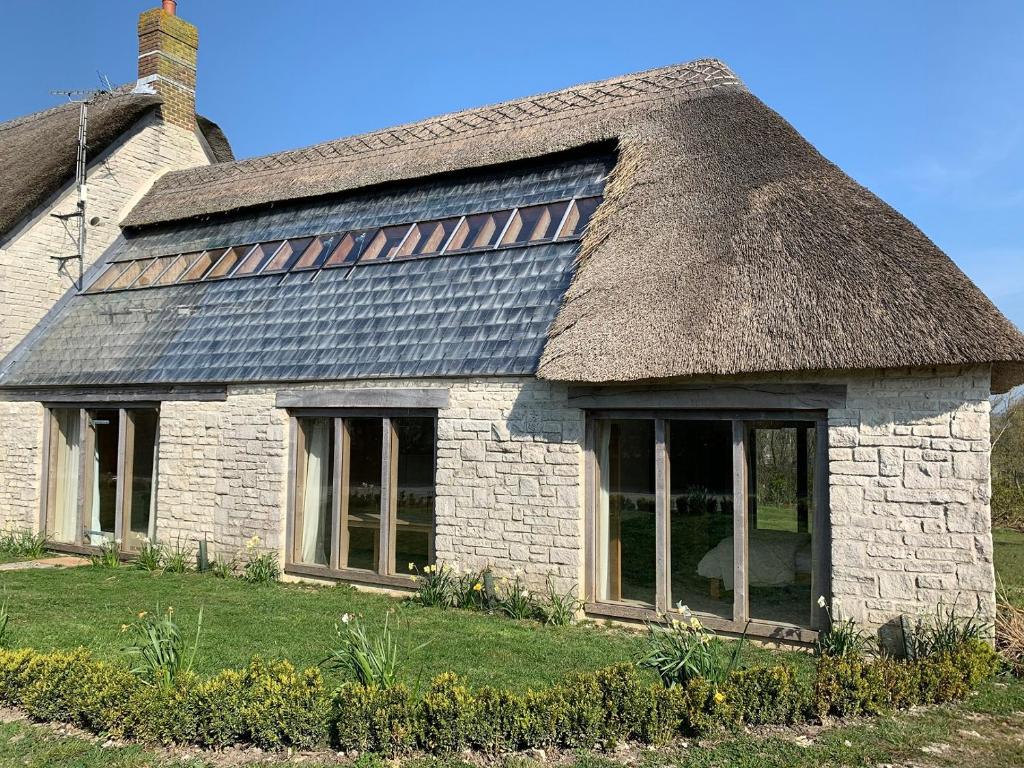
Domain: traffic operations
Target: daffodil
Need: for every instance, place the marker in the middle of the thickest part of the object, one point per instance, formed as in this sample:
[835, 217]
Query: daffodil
[694, 623]
[719, 697]
[345, 618]
[412, 566]
[821, 601]
[477, 587]
[124, 627]
[142, 614]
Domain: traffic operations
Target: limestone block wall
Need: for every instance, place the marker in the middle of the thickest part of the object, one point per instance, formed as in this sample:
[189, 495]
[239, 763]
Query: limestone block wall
[29, 282]
[509, 474]
[910, 488]
[222, 473]
[21, 439]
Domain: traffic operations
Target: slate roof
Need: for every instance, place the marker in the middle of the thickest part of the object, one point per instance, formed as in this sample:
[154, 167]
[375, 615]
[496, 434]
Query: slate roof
[473, 314]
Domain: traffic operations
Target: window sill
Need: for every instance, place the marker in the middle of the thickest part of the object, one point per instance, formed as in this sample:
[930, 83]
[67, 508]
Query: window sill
[350, 575]
[762, 630]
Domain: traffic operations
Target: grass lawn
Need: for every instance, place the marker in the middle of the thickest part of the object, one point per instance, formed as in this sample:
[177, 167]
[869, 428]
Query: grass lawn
[87, 606]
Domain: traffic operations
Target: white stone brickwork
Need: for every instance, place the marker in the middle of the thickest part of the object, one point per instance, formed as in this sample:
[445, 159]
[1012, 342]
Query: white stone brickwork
[910, 488]
[29, 283]
[509, 473]
[21, 439]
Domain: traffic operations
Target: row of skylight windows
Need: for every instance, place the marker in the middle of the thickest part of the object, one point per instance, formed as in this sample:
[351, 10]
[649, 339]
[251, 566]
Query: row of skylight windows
[563, 220]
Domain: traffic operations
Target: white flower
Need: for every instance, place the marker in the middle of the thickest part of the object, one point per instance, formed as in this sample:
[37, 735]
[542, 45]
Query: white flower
[525, 593]
[821, 601]
[345, 618]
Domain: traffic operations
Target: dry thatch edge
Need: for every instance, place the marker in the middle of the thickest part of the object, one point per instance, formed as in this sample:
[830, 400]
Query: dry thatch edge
[1010, 635]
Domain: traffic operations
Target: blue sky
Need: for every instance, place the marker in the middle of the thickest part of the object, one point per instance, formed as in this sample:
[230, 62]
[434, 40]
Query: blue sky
[920, 100]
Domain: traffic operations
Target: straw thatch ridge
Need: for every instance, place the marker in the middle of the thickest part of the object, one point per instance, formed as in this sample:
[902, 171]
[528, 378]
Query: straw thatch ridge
[38, 151]
[511, 131]
[727, 244]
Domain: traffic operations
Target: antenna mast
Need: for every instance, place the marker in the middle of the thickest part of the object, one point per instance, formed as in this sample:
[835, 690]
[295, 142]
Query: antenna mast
[82, 98]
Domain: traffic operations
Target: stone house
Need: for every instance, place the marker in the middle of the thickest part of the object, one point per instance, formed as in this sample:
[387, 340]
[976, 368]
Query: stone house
[135, 134]
[637, 336]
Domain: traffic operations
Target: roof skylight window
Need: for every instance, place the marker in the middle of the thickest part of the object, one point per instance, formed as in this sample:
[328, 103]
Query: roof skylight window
[385, 243]
[479, 231]
[562, 220]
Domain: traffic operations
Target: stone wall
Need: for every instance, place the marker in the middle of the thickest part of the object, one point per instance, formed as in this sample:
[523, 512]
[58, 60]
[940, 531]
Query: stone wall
[29, 283]
[223, 469]
[910, 489]
[21, 439]
[509, 472]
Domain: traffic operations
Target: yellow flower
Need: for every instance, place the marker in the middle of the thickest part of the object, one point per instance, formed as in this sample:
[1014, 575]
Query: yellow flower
[675, 623]
[477, 587]
[142, 614]
[719, 697]
[124, 627]
[412, 566]
[694, 624]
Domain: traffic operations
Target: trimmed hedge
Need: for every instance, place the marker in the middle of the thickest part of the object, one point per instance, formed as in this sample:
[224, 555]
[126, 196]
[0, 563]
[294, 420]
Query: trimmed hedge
[273, 705]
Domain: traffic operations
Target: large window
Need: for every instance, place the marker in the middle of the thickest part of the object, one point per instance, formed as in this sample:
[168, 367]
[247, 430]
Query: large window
[101, 476]
[363, 500]
[717, 512]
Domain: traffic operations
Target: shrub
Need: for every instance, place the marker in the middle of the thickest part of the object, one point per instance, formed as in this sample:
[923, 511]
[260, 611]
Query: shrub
[371, 718]
[763, 695]
[160, 648]
[284, 707]
[223, 569]
[447, 713]
[504, 721]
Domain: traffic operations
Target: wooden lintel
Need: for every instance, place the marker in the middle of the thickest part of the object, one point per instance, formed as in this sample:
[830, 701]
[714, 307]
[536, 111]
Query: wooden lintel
[740, 396]
[434, 397]
[117, 395]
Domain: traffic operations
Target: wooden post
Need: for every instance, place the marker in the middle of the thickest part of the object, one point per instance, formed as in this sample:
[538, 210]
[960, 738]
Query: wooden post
[752, 473]
[388, 498]
[339, 501]
[662, 533]
[802, 462]
[590, 527]
[122, 504]
[740, 483]
[614, 517]
[821, 556]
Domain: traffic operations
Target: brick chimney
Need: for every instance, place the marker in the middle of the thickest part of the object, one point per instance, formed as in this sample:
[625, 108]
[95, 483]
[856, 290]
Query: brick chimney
[168, 47]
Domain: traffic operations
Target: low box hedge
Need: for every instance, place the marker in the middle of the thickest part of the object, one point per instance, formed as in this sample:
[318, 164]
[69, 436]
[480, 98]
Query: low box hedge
[270, 704]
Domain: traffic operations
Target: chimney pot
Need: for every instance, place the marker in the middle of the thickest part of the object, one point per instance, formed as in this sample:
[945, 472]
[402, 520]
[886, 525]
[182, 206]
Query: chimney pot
[170, 6]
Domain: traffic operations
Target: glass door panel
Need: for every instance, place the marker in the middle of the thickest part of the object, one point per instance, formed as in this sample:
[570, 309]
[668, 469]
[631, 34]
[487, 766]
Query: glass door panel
[780, 514]
[627, 555]
[701, 515]
[316, 493]
[365, 450]
[414, 510]
[101, 512]
[140, 479]
[62, 518]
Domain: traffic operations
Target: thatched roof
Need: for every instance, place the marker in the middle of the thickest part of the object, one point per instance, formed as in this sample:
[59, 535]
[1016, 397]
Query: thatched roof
[38, 151]
[727, 244]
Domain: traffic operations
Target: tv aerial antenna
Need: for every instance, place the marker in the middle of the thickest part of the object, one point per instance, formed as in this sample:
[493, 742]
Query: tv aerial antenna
[83, 98]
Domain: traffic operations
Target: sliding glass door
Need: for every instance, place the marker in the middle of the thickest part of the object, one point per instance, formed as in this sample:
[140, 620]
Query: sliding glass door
[717, 512]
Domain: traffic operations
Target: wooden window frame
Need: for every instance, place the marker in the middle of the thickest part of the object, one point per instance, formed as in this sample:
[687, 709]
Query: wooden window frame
[125, 462]
[741, 421]
[386, 572]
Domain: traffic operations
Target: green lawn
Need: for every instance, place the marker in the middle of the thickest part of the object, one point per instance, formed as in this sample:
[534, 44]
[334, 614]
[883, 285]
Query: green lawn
[87, 607]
